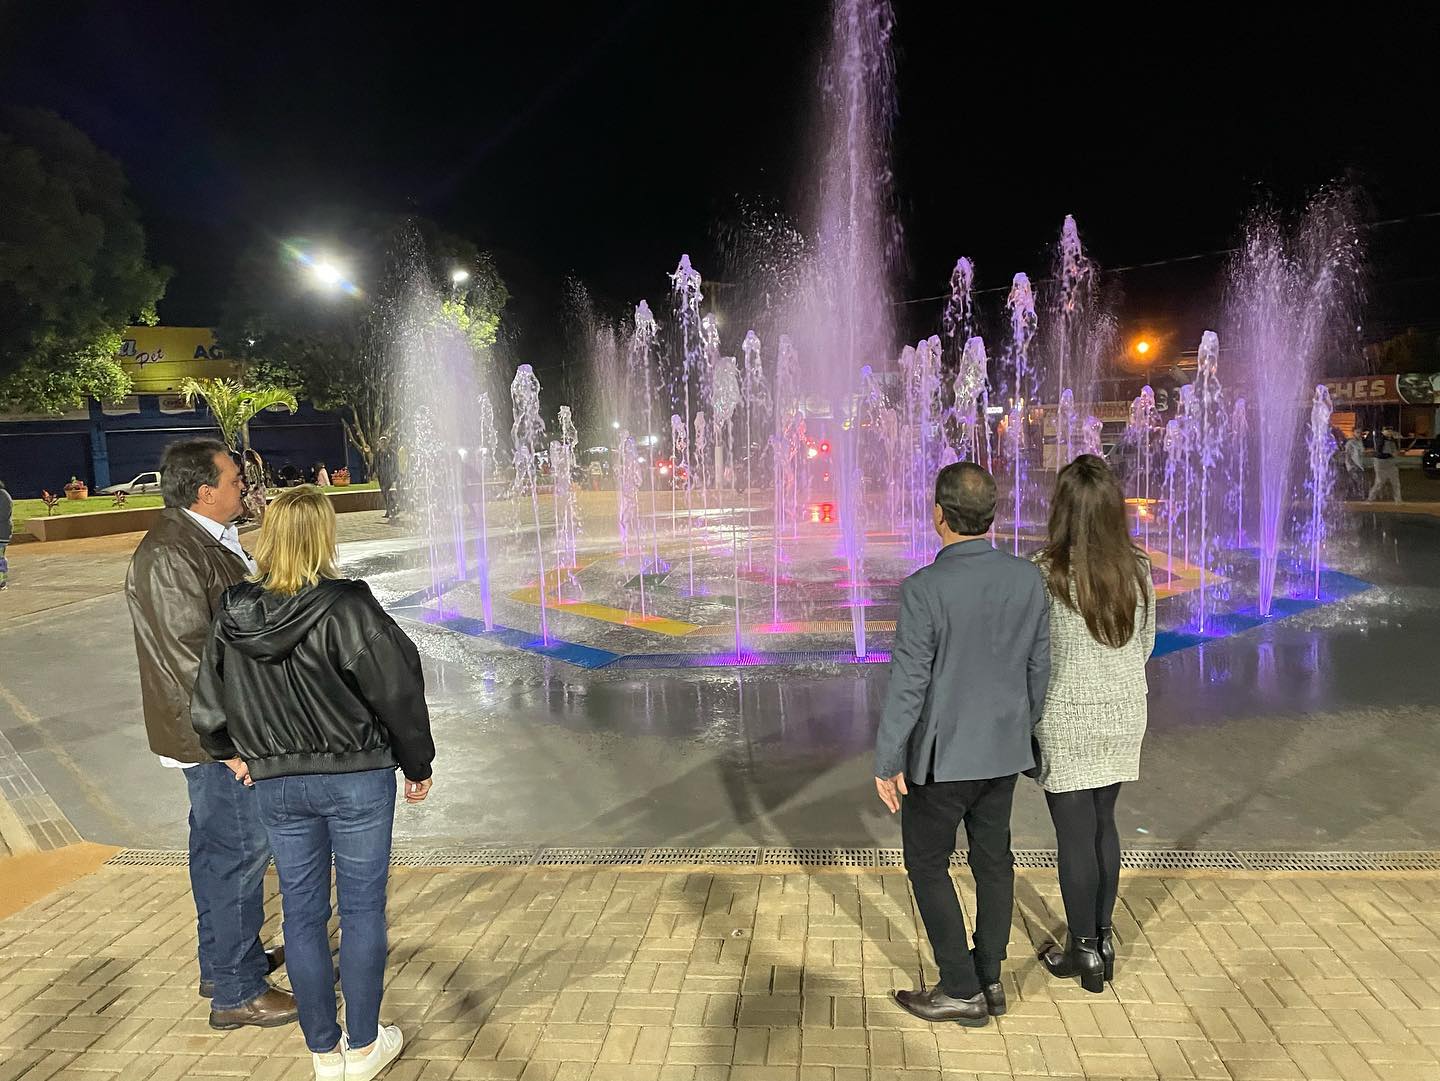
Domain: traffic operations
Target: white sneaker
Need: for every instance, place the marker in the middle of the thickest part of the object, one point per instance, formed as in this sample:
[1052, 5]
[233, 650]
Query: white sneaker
[388, 1042]
[329, 1066]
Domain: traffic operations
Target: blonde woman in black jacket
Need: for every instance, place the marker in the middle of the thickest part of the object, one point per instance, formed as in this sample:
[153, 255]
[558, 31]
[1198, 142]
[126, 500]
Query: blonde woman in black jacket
[319, 696]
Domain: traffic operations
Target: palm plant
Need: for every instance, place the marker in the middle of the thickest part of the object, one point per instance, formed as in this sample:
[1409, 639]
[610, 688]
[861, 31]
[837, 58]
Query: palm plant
[234, 406]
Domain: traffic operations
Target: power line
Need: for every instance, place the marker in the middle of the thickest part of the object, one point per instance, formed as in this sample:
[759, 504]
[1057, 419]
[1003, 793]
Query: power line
[1431, 214]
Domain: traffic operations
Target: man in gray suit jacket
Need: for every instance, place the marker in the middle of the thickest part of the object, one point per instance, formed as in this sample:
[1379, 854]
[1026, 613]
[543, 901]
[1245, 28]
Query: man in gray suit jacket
[968, 676]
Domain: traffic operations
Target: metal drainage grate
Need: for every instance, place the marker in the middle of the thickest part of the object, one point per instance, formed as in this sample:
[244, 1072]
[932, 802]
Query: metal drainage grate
[1341, 861]
[786, 856]
[1174, 859]
[149, 857]
[573, 857]
[463, 857]
[1034, 858]
[743, 857]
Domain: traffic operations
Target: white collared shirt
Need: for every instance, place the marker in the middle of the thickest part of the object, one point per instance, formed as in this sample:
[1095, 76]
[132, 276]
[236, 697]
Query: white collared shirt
[229, 536]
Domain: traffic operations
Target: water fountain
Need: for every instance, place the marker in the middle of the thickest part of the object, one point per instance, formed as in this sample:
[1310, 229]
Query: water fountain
[1320, 451]
[525, 435]
[849, 438]
[1291, 292]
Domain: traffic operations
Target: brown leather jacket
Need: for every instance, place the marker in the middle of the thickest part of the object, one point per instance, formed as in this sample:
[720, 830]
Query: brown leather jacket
[173, 588]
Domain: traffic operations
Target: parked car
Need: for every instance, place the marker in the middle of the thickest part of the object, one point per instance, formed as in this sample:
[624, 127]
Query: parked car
[145, 482]
[1430, 460]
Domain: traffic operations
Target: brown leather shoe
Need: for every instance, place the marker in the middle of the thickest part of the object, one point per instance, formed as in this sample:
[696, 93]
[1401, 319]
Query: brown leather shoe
[273, 958]
[936, 1005]
[269, 1009]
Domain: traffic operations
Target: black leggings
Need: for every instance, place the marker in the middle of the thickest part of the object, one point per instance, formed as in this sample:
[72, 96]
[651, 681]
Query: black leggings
[1089, 855]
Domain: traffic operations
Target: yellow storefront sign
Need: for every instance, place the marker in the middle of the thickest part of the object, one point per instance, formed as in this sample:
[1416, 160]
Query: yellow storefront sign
[159, 359]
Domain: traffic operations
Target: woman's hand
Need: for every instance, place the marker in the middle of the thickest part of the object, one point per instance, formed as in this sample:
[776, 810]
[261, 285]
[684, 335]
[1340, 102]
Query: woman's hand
[241, 771]
[416, 791]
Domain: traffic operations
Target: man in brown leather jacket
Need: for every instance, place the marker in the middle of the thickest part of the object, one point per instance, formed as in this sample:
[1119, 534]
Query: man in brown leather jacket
[173, 587]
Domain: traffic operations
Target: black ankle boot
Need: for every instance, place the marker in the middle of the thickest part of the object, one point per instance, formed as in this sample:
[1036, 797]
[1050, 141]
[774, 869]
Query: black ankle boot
[1080, 957]
[1106, 949]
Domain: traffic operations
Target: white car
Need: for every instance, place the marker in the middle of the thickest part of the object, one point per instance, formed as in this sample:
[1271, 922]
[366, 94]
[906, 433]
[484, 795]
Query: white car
[145, 482]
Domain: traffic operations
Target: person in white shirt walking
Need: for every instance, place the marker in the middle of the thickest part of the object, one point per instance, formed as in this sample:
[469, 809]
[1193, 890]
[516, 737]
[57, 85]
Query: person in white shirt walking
[173, 587]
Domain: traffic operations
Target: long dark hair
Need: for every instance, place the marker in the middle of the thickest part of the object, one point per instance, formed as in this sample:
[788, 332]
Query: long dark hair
[1093, 566]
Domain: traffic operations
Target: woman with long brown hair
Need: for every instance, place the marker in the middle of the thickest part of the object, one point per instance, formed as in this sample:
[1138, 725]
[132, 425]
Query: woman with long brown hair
[1102, 631]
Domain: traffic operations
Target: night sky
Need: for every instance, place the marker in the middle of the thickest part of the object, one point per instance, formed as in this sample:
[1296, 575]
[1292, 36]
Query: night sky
[603, 139]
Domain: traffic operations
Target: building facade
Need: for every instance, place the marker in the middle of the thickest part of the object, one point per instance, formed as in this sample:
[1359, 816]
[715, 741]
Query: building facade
[107, 444]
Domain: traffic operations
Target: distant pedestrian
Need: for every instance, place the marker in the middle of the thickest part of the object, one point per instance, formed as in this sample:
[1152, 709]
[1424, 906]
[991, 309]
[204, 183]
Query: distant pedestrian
[386, 470]
[1387, 466]
[1102, 631]
[322, 476]
[173, 587]
[1355, 464]
[968, 673]
[314, 696]
[7, 527]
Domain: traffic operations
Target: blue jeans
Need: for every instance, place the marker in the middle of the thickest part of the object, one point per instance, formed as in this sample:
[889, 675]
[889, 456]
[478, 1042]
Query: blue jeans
[228, 856]
[309, 817]
[4, 567]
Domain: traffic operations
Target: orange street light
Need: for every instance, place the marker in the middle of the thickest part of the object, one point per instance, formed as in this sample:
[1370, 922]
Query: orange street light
[1142, 347]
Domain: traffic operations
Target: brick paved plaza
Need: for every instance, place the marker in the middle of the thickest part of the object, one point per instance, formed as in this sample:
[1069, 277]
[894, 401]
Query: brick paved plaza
[692, 975]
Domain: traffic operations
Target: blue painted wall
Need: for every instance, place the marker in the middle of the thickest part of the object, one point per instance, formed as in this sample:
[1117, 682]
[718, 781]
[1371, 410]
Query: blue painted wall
[102, 450]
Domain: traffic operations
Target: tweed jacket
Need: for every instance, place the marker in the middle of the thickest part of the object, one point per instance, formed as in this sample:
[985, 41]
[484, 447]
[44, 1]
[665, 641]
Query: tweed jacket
[1094, 719]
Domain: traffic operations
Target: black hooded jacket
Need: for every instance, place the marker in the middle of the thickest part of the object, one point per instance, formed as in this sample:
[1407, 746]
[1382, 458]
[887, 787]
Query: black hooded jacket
[321, 682]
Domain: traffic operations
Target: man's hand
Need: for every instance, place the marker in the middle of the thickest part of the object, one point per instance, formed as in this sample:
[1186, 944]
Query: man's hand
[241, 771]
[416, 791]
[891, 789]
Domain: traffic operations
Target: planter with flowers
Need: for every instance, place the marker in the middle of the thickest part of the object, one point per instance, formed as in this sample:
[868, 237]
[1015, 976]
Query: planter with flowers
[77, 489]
[340, 478]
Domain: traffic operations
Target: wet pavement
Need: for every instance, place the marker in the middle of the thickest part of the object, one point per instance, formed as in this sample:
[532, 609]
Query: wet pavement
[1318, 732]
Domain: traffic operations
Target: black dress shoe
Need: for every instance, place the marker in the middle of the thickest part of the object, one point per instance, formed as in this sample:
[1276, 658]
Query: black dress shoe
[1080, 957]
[936, 1005]
[273, 959]
[1106, 949]
[994, 998]
[269, 1009]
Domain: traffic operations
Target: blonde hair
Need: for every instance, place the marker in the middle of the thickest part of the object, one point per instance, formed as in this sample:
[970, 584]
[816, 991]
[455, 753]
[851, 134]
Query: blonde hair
[297, 541]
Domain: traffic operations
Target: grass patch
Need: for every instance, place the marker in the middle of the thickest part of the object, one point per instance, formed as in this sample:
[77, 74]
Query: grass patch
[25, 509]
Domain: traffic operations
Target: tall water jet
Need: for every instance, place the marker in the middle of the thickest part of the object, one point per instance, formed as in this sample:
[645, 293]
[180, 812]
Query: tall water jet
[488, 440]
[725, 400]
[1021, 306]
[958, 320]
[1320, 450]
[628, 484]
[756, 394]
[858, 243]
[680, 453]
[1140, 433]
[972, 400]
[567, 509]
[642, 348]
[526, 434]
[1291, 296]
[1210, 440]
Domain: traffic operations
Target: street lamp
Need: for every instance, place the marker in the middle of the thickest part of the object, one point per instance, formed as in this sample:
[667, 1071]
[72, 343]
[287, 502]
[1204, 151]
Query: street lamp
[328, 273]
[1142, 347]
[459, 277]
[615, 424]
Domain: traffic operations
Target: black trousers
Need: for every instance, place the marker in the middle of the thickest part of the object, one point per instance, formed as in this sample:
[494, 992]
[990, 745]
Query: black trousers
[1088, 847]
[929, 818]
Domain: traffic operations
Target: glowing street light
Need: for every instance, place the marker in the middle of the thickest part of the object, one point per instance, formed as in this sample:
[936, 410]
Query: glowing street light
[615, 424]
[328, 273]
[459, 277]
[1142, 347]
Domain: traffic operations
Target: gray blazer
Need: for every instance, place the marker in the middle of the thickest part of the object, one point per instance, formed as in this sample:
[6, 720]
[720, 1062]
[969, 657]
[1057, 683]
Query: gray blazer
[969, 669]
